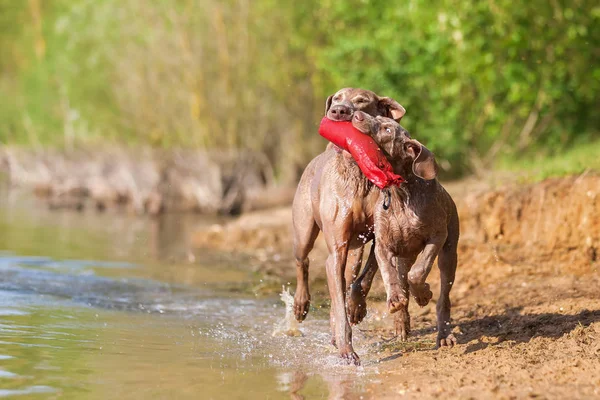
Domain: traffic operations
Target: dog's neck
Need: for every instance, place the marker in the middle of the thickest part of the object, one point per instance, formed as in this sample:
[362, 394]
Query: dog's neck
[412, 185]
[352, 177]
[412, 194]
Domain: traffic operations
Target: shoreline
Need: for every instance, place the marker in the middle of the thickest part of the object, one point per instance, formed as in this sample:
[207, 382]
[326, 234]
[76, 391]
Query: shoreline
[146, 181]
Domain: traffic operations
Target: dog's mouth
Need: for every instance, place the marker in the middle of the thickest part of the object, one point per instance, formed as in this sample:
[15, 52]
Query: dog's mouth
[339, 118]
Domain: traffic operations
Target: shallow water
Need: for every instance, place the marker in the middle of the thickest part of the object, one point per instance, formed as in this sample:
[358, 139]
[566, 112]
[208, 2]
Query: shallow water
[98, 306]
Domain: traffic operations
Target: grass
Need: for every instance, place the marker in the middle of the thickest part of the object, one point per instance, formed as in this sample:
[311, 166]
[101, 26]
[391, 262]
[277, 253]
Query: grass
[536, 167]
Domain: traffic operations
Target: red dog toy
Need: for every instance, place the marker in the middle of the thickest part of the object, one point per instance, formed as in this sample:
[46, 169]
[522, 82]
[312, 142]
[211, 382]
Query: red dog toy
[363, 149]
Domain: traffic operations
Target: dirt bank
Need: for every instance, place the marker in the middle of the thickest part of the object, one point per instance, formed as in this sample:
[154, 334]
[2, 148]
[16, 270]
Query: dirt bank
[526, 302]
[145, 180]
[557, 221]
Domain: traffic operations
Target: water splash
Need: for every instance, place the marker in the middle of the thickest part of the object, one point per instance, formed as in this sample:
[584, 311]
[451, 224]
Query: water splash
[288, 326]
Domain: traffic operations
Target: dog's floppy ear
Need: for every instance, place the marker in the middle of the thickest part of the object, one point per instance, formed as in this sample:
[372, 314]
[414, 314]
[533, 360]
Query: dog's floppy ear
[392, 109]
[328, 103]
[424, 165]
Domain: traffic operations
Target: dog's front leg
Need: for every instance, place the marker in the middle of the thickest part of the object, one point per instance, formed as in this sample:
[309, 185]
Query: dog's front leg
[335, 266]
[402, 317]
[396, 300]
[419, 271]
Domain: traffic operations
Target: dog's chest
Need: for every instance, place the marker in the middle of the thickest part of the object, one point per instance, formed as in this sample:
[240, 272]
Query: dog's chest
[402, 231]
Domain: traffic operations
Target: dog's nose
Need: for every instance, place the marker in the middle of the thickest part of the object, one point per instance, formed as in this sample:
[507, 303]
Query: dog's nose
[340, 112]
[359, 116]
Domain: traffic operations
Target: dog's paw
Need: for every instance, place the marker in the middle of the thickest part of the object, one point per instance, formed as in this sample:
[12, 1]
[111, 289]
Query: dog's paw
[333, 341]
[422, 294]
[301, 306]
[350, 357]
[397, 302]
[447, 341]
[402, 324]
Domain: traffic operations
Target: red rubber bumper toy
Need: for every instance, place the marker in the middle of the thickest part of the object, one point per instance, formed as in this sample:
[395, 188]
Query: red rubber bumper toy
[367, 154]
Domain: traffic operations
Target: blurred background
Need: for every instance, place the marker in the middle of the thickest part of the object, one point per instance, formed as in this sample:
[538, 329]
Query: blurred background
[481, 81]
[195, 110]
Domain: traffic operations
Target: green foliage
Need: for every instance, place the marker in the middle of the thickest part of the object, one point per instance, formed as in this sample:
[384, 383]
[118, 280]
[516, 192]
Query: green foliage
[480, 80]
[476, 78]
[576, 159]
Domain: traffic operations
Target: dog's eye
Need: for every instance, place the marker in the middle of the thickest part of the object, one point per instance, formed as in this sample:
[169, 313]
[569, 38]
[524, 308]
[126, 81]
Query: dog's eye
[388, 130]
[361, 101]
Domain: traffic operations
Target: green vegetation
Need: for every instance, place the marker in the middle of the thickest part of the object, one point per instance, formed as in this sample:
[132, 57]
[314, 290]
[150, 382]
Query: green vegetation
[481, 80]
[578, 159]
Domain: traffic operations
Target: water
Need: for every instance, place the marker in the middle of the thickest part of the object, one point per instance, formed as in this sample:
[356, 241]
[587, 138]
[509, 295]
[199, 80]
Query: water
[108, 306]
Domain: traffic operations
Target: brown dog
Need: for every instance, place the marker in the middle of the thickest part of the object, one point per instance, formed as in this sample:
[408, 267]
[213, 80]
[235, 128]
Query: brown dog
[334, 197]
[422, 219]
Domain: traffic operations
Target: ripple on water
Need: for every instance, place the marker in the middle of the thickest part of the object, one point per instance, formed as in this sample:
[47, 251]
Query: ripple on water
[67, 265]
[8, 374]
[232, 332]
[27, 390]
[32, 345]
[98, 333]
[7, 312]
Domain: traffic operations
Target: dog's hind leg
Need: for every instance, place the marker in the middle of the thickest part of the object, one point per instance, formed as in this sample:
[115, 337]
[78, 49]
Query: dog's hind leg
[357, 298]
[357, 258]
